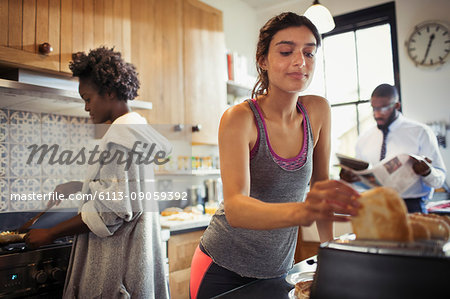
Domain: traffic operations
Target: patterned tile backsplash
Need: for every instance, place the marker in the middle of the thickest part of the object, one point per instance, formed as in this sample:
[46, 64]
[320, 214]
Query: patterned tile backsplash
[21, 129]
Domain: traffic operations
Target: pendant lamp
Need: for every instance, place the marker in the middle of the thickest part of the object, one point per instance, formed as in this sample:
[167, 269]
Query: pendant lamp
[320, 16]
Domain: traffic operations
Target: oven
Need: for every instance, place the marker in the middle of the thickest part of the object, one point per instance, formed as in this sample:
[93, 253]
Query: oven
[34, 273]
[37, 273]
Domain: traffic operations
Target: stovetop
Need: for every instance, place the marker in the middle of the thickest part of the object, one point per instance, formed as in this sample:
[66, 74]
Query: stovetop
[22, 247]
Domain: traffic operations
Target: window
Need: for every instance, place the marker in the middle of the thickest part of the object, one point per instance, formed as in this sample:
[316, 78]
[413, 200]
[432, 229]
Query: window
[358, 55]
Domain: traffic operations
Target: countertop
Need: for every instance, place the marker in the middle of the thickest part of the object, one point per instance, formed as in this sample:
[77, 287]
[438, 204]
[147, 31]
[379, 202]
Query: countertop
[277, 288]
[439, 204]
[192, 223]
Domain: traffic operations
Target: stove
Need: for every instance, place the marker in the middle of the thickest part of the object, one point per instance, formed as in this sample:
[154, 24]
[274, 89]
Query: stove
[34, 273]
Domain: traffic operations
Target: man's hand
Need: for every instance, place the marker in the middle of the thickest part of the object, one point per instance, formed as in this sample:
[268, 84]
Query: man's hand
[348, 176]
[422, 167]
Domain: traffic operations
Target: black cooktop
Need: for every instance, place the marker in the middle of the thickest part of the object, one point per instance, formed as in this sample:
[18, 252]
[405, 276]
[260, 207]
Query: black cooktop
[22, 247]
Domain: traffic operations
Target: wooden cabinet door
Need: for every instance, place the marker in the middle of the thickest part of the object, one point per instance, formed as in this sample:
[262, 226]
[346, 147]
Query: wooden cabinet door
[179, 284]
[157, 53]
[304, 249]
[68, 26]
[204, 69]
[181, 249]
[25, 24]
[89, 24]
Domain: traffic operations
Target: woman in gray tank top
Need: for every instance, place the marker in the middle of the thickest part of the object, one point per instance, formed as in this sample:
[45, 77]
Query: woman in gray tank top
[271, 148]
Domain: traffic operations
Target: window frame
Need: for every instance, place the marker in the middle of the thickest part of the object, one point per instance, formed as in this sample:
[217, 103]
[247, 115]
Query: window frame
[366, 18]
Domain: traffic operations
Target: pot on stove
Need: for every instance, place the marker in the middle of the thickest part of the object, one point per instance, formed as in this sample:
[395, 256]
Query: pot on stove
[10, 238]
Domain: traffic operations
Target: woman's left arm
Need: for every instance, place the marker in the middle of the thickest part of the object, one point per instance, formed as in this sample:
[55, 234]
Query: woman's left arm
[320, 117]
[114, 194]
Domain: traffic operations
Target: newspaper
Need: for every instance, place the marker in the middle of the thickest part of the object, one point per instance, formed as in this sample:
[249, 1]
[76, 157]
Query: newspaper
[395, 172]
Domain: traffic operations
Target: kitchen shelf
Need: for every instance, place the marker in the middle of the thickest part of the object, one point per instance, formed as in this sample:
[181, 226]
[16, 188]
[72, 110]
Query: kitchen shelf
[238, 90]
[198, 172]
[34, 98]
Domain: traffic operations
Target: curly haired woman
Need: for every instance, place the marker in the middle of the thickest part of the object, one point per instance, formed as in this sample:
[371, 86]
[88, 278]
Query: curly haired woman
[117, 247]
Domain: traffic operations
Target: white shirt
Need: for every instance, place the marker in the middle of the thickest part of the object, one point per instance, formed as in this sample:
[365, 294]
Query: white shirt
[130, 118]
[406, 137]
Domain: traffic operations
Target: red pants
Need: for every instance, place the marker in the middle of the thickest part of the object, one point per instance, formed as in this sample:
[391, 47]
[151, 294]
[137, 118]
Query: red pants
[209, 279]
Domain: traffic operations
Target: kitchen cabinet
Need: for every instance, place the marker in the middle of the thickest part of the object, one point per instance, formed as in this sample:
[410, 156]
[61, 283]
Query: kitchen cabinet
[305, 249]
[157, 53]
[68, 26]
[181, 248]
[178, 49]
[26, 24]
[87, 24]
[204, 69]
[308, 241]
[177, 46]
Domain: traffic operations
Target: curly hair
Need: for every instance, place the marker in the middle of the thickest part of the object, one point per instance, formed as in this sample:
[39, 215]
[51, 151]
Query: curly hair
[108, 71]
[266, 33]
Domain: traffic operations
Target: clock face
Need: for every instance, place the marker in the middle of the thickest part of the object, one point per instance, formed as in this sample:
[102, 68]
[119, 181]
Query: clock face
[429, 44]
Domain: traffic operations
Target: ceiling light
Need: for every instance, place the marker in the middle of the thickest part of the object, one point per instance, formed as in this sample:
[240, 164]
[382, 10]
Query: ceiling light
[320, 16]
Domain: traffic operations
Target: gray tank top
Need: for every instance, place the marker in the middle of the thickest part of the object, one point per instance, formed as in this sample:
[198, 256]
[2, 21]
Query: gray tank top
[263, 253]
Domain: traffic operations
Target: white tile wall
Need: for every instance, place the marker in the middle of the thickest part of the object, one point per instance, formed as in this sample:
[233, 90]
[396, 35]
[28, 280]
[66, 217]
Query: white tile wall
[19, 130]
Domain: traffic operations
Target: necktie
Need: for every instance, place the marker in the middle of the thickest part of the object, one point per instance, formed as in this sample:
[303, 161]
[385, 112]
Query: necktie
[383, 145]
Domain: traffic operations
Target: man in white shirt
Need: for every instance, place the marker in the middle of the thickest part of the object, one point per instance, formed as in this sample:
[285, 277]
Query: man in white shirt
[395, 134]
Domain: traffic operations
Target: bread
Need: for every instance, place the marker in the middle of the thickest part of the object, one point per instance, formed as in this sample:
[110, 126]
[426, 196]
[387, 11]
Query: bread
[302, 289]
[444, 218]
[171, 211]
[193, 210]
[420, 231]
[382, 216]
[438, 228]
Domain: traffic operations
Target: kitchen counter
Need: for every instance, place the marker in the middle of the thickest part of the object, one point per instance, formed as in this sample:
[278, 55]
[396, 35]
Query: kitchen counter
[277, 288]
[439, 204]
[182, 226]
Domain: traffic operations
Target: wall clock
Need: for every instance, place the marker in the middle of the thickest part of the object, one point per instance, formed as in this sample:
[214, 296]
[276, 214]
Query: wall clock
[429, 44]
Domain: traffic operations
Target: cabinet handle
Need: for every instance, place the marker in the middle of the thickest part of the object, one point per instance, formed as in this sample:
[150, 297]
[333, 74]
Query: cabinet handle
[45, 49]
[196, 128]
[178, 128]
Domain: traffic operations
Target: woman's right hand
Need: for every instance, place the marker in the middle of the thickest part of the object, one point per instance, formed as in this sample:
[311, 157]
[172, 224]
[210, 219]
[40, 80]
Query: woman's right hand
[66, 189]
[327, 198]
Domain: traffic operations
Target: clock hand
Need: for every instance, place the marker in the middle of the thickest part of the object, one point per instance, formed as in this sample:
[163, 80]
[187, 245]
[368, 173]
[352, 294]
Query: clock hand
[428, 48]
